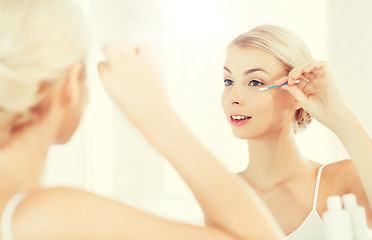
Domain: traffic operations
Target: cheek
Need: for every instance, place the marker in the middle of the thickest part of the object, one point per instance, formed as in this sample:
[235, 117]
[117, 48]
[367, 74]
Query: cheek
[262, 105]
[271, 108]
[282, 106]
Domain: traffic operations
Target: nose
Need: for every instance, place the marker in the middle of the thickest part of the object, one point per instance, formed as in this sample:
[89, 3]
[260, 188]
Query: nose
[236, 96]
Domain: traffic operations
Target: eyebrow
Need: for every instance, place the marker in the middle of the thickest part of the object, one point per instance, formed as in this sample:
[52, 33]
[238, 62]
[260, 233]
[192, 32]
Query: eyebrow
[249, 71]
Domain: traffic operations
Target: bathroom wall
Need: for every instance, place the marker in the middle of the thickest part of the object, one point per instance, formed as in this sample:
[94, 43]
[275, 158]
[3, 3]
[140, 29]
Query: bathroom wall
[350, 55]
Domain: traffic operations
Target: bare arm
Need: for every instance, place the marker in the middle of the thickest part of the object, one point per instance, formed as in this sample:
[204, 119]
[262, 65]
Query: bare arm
[322, 99]
[62, 213]
[359, 146]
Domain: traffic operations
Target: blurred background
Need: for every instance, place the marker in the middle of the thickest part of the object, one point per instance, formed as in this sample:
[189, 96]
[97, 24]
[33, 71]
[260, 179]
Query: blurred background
[188, 37]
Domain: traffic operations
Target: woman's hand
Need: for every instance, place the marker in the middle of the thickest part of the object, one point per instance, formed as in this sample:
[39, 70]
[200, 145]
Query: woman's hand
[317, 92]
[131, 78]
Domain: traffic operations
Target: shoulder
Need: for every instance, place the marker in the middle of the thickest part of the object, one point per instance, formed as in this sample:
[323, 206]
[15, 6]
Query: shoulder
[337, 166]
[336, 179]
[45, 213]
[51, 197]
[57, 192]
[341, 174]
[340, 169]
[57, 200]
[341, 178]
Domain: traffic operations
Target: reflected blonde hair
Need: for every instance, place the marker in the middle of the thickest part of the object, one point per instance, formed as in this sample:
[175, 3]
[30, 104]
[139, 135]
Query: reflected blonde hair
[285, 46]
[40, 40]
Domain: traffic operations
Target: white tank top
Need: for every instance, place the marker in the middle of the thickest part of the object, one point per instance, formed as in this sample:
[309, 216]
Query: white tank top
[312, 227]
[6, 218]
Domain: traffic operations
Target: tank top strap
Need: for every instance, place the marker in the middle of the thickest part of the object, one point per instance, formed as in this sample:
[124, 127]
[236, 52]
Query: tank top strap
[316, 191]
[7, 216]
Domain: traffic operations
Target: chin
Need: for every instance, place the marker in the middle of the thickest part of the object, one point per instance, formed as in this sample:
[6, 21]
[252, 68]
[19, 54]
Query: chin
[251, 133]
[244, 135]
[241, 136]
[257, 133]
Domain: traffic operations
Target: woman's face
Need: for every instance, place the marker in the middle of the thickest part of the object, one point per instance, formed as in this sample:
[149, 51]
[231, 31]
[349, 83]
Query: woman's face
[251, 113]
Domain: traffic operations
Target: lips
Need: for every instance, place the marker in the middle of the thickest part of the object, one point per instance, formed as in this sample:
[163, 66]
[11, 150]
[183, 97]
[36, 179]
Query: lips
[239, 119]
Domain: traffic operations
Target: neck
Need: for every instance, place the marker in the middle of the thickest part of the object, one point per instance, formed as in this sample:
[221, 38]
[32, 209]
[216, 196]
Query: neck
[274, 159]
[22, 159]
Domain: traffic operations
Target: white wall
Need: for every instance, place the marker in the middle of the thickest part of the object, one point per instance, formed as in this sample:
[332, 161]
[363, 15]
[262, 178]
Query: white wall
[189, 38]
[350, 54]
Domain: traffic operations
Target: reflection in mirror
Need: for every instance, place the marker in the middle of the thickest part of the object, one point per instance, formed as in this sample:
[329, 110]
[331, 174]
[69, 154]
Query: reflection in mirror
[189, 39]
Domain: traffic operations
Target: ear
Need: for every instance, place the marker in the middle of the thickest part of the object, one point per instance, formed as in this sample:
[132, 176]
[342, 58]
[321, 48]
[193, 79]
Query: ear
[71, 87]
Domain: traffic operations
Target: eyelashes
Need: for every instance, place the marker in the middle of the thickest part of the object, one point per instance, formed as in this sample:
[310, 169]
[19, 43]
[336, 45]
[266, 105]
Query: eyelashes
[228, 82]
[253, 83]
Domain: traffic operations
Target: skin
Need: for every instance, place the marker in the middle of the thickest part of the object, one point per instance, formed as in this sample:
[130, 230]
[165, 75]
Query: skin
[273, 152]
[64, 213]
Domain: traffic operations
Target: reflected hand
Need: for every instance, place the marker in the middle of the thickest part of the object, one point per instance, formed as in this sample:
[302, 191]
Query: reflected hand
[317, 92]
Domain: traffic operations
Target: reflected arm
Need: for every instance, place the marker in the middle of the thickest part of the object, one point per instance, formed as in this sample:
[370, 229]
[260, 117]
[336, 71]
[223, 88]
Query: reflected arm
[359, 146]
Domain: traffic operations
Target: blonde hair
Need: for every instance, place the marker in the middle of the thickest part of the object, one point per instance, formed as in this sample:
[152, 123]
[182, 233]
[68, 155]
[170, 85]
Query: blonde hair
[40, 40]
[285, 46]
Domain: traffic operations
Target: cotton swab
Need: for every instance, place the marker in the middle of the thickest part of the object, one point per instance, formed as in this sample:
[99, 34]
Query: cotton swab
[267, 88]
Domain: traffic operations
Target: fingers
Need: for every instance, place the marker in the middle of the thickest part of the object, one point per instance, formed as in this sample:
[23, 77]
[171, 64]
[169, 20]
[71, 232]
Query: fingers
[314, 65]
[308, 70]
[122, 51]
[127, 49]
[297, 93]
[123, 56]
[296, 72]
[142, 48]
[112, 54]
[102, 69]
[284, 80]
[281, 81]
[308, 76]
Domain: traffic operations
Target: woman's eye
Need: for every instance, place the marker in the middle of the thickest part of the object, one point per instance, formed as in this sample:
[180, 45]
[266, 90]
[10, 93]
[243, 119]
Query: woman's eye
[228, 82]
[255, 83]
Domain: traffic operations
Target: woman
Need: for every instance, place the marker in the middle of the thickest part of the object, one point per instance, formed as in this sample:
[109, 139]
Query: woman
[42, 98]
[294, 188]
